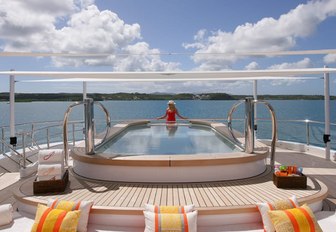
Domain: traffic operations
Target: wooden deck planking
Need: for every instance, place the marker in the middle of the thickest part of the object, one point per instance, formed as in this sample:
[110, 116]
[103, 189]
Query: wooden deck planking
[146, 195]
[200, 200]
[202, 195]
[192, 195]
[151, 198]
[187, 196]
[134, 198]
[256, 195]
[140, 197]
[221, 194]
[158, 194]
[207, 195]
[131, 195]
[163, 199]
[216, 201]
[181, 195]
[170, 197]
[208, 201]
[225, 196]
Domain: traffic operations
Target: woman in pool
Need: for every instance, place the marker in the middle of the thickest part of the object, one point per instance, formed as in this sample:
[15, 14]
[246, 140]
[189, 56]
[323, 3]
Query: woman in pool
[171, 112]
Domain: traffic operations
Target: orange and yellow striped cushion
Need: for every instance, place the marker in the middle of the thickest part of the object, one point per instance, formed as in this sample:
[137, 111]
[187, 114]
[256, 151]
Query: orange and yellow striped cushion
[282, 204]
[183, 222]
[169, 208]
[296, 219]
[83, 206]
[48, 219]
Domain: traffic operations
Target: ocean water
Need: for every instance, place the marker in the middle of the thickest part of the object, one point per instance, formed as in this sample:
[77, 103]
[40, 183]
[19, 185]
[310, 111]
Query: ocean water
[197, 109]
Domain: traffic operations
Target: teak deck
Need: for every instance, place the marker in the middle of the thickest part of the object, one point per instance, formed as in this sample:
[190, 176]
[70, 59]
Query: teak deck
[208, 198]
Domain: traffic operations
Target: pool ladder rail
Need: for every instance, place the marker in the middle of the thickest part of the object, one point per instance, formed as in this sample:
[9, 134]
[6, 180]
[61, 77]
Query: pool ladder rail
[250, 126]
[89, 129]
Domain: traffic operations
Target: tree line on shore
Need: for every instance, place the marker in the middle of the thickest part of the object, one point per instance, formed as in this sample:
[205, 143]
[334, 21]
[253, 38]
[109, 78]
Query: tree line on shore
[28, 97]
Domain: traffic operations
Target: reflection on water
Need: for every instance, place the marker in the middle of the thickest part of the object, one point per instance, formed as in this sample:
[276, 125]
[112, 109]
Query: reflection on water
[171, 128]
[168, 139]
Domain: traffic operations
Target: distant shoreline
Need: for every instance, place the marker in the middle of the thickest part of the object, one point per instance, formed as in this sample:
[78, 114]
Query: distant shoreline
[30, 97]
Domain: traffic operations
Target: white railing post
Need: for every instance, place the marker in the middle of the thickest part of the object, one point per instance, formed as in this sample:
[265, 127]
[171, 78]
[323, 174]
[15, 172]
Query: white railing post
[13, 138]
[326, 136]
[255, 96]
[84, 90]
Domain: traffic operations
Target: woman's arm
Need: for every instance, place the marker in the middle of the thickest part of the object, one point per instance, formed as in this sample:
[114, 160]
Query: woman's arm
[162, 117]
[177, 113]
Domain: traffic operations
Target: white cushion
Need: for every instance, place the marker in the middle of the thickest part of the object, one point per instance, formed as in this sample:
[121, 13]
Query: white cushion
[6, 214]
[23, 222]
[173, 222]
[179, 209]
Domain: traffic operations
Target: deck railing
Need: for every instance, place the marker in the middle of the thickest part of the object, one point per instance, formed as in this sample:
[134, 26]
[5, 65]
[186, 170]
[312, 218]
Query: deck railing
[49, 133]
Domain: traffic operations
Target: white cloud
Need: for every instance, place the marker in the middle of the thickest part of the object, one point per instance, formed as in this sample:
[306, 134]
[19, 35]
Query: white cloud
[252, 66]
[76, 26]
[305, 63]
[330, 58]
[268, 34]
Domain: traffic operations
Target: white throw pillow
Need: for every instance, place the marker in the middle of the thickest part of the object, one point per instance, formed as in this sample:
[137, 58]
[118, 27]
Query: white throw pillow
[171, 222]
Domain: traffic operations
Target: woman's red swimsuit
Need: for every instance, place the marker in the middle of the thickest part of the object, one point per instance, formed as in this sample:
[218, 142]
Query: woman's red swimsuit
[171, 116]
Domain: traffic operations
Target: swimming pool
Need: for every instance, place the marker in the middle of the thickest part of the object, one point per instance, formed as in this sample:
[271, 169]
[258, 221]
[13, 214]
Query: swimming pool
[171, 139]
[139, 151]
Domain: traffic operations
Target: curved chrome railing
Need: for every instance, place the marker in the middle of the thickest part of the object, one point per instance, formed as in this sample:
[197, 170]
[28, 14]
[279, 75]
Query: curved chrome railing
[108, 123]
[65, 131]
[274, 128]
[229, 122]
[90, 146]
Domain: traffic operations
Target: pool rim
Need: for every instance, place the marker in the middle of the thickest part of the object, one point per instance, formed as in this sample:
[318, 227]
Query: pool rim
[261, 152]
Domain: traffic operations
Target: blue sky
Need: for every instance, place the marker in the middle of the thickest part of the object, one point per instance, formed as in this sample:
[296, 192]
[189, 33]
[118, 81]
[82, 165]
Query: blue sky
[175, 26]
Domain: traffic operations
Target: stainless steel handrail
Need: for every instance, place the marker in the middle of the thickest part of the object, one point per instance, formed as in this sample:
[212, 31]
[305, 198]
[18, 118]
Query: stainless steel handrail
[274, 131]
[65, 128]
[229, 122]
[65, 132]
[108, 123]
[13, 150]
[274, 126]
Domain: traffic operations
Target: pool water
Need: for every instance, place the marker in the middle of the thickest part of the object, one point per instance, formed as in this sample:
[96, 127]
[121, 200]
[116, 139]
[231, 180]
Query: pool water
[168, 140]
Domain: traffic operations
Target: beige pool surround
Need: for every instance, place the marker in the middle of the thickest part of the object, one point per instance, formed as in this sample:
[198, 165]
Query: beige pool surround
[170, 168]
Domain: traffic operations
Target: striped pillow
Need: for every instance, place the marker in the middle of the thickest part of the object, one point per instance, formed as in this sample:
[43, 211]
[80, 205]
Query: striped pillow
[83, 206]
[264, 208]
[48, 219]
[297, 219]
[169, 209]
[184, 222]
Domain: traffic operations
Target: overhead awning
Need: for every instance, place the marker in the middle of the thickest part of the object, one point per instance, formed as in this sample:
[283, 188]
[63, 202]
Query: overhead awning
[175, 76]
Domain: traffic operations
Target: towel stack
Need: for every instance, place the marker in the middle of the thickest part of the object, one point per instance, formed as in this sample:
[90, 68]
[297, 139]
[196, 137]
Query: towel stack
[51, 165]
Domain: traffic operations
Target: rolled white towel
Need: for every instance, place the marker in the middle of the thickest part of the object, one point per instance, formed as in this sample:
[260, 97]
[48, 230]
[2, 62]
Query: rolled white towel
[51, 156]
[50, 169]
[6, 214]
[49, 177]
